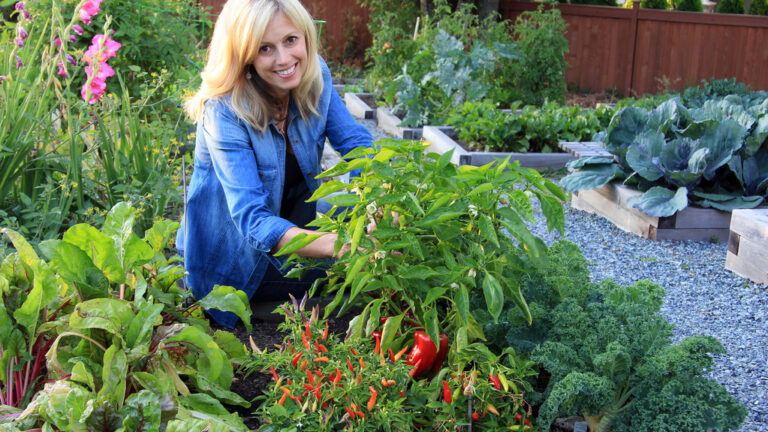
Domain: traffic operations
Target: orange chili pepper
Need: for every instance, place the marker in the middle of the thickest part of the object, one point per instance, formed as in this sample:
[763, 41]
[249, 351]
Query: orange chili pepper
[321, 347]
[274, 373]
[372, 400]
[400, 353]
[337, 378]
[310, 377]
[296, 358]
[349, 364]
[321, 359]
[325, 332]
[384, 382]
[362, 363]
[303, 364]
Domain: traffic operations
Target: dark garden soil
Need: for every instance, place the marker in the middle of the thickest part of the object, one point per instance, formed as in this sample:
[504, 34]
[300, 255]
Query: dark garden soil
[265, 334]
[589, 100]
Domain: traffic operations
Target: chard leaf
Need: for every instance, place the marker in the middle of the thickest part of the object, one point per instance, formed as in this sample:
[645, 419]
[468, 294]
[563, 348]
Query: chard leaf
[591, 177]
[99, 247]
[644, 155]
[44, 291]
[142, 412]
[140, 330]
[161, 233]
[228, 299]
[211, 358]
[73, 265]
[111, 315]
[114, 374]
[660, 202]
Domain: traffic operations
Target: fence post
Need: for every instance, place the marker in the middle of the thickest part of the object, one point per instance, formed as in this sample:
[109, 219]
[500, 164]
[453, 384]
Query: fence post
[633, 39]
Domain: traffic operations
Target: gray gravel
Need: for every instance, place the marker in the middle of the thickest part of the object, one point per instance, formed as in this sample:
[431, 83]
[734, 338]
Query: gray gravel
[703, 298]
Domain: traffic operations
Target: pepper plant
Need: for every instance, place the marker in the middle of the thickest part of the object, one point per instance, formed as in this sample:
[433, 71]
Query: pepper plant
[442, 234]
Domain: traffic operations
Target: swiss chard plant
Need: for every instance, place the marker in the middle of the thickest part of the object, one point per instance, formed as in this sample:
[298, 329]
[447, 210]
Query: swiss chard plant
[102, 319]
[443, 234]
[710, 153]
[484, 127]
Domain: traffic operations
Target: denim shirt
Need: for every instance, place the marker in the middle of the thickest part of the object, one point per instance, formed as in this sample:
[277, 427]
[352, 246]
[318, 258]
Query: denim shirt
[233, 205]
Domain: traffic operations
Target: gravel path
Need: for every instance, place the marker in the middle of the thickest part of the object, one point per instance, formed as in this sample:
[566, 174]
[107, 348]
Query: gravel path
[703, 298]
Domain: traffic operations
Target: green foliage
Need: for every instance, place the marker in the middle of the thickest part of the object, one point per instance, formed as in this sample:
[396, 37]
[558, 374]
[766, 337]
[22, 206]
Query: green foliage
[590, 2]
[714, 88]
[444, 234]
[105, 309]
[331, 378]
[707, 150]
[730, 6]
[608, 353]
[453, 64]
[689, 5]
[758, 7]
[654, 4]
[533, 129]
[540, 36]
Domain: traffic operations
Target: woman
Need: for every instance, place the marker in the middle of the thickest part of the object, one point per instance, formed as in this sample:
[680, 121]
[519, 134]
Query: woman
[264, 110]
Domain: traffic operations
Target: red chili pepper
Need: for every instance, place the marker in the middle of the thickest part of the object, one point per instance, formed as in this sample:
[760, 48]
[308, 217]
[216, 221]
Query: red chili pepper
[321, 347]
[337, 378]
[372, 400]
[349, 364]
[447, 396]
[400, 353]
[441, 353]
[296, 358]
[518, 417]
[350, 412]
[377, 337]
[384, 382]
[306, 331]
[325, 332]
[274, 373]
[495, 380]
[310, 377]
[475, 416]
[422, 354]
[391, 355]
[353, 350]
[415, 369]
[303, 364]
[305, 341]
[359, 414]
[402, 393]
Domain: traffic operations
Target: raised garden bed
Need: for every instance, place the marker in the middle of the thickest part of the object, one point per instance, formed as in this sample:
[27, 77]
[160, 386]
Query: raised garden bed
[748, 244]
[361, 105]
[387, 121]
[692, 223]
[442, 139]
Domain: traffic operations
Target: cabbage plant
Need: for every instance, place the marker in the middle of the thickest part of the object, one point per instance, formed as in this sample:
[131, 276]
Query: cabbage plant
[711, 154]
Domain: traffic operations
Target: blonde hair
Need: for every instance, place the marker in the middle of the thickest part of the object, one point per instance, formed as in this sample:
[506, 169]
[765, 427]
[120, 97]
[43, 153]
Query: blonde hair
[235, 44]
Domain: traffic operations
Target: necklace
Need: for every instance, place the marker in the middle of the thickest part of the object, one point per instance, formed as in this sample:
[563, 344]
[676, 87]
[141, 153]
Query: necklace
[280, 116]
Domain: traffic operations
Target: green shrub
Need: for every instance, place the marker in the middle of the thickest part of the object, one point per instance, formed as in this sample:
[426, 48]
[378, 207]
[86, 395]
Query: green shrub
[654, 4]
[689, 5]
[591, 2]
[540, 37]
[730, 6]
[758, 7]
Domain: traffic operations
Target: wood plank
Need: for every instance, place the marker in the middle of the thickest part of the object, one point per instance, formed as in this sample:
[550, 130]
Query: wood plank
[528, 160]
[695, 234]
[623, 218]
[584, 149]
[743, 268]
[751, 224]
[695, 217]
[441, 143]
[358, 106]
[389, 123]
[755, 252]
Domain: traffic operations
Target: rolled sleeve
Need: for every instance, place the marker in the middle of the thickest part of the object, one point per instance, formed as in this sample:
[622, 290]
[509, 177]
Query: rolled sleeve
[241, 178]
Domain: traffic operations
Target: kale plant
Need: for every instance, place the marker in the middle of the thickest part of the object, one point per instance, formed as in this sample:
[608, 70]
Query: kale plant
[605, 352]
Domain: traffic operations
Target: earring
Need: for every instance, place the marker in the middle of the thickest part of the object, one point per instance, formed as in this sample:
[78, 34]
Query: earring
[248, 75]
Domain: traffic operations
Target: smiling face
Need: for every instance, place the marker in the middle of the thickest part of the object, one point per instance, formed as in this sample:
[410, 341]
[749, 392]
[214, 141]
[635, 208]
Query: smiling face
[282, 57]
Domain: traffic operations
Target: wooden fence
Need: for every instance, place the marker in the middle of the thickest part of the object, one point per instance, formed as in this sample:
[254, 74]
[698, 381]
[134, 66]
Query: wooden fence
[345, 33]
[640, 51]
[636, 51]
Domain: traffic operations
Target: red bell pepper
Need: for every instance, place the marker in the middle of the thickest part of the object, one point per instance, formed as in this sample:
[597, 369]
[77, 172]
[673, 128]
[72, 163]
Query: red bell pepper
[441, 353]
[422, 354]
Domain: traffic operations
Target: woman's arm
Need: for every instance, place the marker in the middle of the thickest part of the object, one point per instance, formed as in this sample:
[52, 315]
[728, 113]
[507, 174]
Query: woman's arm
[320, 248]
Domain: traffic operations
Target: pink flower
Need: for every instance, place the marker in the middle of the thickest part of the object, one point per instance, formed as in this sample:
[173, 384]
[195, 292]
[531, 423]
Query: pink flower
[19, 6]
[89, 9]
[71, 60]
[77, 29]
[101, 51]
[3, 78]
[57, 41]
[62, 69]
[102, 48]
[20, 42]
[19, 63]
[23, 33]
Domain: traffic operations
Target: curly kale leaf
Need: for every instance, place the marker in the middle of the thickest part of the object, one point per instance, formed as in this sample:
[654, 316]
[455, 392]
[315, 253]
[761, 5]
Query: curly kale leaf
[585, 393]
[672, 393]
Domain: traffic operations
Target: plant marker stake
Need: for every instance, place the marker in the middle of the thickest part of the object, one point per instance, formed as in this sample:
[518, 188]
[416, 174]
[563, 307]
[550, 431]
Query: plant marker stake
[469, 412]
